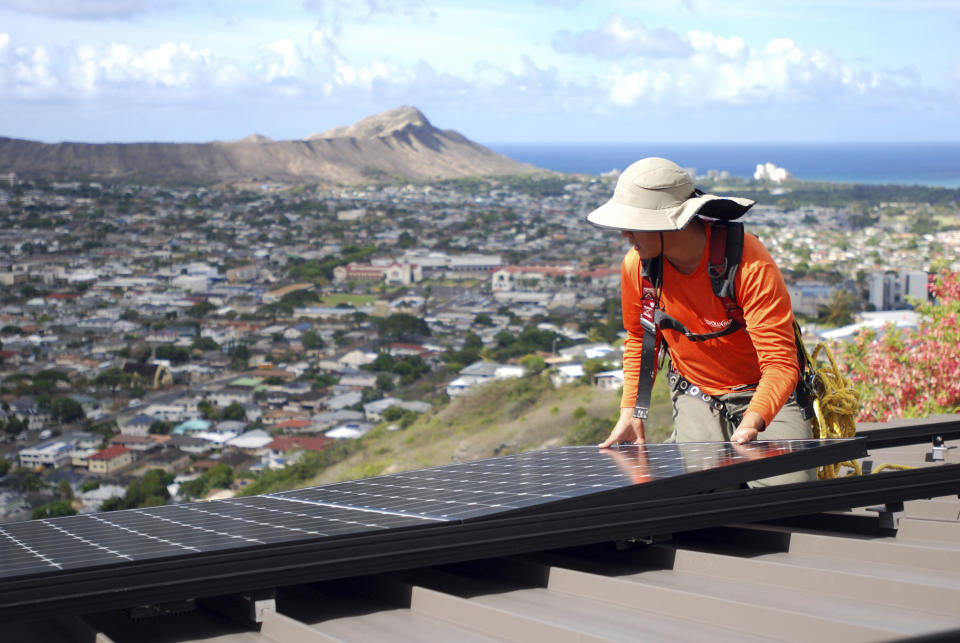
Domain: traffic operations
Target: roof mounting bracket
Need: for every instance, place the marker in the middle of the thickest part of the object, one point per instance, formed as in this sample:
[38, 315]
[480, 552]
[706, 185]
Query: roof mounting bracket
[938, 452]
[244, 608]
[889, 515]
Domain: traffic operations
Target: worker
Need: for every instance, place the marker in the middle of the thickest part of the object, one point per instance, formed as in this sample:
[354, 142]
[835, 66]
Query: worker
[733, 379]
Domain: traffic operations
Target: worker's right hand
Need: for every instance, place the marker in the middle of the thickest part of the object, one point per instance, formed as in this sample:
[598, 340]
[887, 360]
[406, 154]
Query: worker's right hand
[627, 429]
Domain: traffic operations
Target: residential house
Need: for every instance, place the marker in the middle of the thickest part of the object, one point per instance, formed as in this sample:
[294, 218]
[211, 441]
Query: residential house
[137, 425]
[349, 431]
[193, 446]
[252, 442]
[110, 460]
[481, 373]
[49, 455]
[329, 419]
[170, 460]
[230, 395]
[567, 374]
[281, 449]
[138, 445]
[608, 380]
[373, 411]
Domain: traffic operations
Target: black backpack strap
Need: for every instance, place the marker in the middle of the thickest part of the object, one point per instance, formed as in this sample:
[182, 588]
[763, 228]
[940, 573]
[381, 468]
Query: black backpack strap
[726, 250]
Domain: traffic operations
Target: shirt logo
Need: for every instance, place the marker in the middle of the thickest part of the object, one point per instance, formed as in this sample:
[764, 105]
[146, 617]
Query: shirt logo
[717, 324]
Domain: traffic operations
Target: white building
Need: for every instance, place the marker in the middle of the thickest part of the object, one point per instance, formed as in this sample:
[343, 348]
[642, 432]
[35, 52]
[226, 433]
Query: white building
[770, 172]
[892, 290]
[481, 373]
[373, 411]
[50, 455]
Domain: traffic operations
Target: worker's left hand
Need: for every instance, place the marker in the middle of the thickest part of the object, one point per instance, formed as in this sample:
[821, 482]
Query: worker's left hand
[749, 428]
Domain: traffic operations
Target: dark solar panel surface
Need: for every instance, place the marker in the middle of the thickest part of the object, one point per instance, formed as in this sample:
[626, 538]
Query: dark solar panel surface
[457, 492]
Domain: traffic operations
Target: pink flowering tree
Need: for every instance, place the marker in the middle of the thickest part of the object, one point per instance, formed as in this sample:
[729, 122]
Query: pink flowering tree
[911, 373]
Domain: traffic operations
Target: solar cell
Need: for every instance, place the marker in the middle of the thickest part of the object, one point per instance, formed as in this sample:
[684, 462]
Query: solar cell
[472, 491]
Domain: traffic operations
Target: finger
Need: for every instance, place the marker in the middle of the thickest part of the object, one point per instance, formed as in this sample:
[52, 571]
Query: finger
[606, 443]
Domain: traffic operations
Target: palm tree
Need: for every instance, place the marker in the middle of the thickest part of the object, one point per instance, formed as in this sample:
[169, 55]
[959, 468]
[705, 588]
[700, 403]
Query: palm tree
[839, 310]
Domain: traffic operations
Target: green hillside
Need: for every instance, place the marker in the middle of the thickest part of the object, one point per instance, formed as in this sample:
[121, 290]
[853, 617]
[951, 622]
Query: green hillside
[499, 418]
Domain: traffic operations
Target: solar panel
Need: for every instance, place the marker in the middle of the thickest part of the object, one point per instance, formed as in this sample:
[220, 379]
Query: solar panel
[473, 491]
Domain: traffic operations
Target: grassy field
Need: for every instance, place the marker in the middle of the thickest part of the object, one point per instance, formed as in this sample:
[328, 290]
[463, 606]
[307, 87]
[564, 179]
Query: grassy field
[500, 418]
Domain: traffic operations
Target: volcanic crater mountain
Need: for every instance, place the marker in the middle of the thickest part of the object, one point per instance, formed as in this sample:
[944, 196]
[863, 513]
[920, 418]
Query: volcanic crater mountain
[397, 144]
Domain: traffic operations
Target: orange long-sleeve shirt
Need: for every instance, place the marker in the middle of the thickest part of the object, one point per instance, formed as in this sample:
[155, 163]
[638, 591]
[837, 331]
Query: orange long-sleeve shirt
[765, 355]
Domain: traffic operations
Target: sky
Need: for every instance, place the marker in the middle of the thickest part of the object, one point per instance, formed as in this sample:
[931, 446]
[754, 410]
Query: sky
[514, 71]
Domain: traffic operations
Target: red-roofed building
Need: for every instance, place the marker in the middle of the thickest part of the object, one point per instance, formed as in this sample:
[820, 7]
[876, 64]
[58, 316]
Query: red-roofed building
[11, 358]
[293, 424]
[108, 461]
[287, 443]
[286, 450]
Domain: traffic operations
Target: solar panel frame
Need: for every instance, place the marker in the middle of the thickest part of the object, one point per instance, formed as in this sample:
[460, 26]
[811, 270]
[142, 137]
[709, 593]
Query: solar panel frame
[234, 571]
[563, 478]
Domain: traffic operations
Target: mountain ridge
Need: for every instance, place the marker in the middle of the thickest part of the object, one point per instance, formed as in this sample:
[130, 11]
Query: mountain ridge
[397, 144]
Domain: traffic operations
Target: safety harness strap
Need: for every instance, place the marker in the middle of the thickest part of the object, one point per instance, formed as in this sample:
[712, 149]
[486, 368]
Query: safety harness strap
[651, 341]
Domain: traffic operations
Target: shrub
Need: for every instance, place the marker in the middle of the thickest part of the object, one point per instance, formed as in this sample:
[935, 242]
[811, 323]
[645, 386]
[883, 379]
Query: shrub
[911, 373]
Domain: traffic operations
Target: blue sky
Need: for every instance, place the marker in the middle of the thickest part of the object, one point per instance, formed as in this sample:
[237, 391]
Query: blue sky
[513, 71]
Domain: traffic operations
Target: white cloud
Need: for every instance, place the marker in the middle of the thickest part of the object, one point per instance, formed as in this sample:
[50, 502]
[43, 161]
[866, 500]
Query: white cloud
[33, 72]
[727, 71]
[81, 9]
[617, 38]
[283, 61]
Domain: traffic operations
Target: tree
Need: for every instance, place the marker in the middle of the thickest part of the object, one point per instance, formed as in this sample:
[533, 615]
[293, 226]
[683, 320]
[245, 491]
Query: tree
[233, 411]
[65, 490]
[150, 488]
[201, 310]
[593, 366]
[207, 410]
[26, 480]
[401, 326]
[176, 354]
[204, 344]
[384, 382]
[159, 427]
[532, 363]
[311, 340]
[113, 503]
[113, 378]
[910, 373]
[14, 426]
[839, 308]
[53, 509]
[219, 476]
[239, 356]
[65, 409]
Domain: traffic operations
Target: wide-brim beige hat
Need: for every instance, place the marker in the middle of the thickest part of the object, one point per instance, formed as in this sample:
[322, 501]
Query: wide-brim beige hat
[655, 194]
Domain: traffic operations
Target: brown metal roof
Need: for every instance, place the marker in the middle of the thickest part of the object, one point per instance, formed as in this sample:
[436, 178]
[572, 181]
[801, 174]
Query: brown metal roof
[828, 577]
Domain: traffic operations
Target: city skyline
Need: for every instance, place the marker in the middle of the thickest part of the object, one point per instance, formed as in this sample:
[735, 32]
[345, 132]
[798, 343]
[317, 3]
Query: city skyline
[538, 71]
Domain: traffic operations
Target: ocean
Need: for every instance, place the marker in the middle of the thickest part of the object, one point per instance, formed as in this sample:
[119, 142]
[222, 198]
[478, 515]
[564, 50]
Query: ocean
[928, 164]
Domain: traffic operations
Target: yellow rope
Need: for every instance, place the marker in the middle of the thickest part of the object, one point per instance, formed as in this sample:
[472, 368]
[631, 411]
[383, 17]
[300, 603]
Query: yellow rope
[835, 407]
[887, 465]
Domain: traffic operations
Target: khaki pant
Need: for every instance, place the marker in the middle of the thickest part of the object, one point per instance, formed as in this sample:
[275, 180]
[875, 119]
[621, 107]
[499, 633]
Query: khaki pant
[695, 421]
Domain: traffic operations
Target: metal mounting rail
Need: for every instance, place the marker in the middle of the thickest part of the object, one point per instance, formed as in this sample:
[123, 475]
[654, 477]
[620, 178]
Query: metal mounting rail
[262, 567]
[916, 432]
